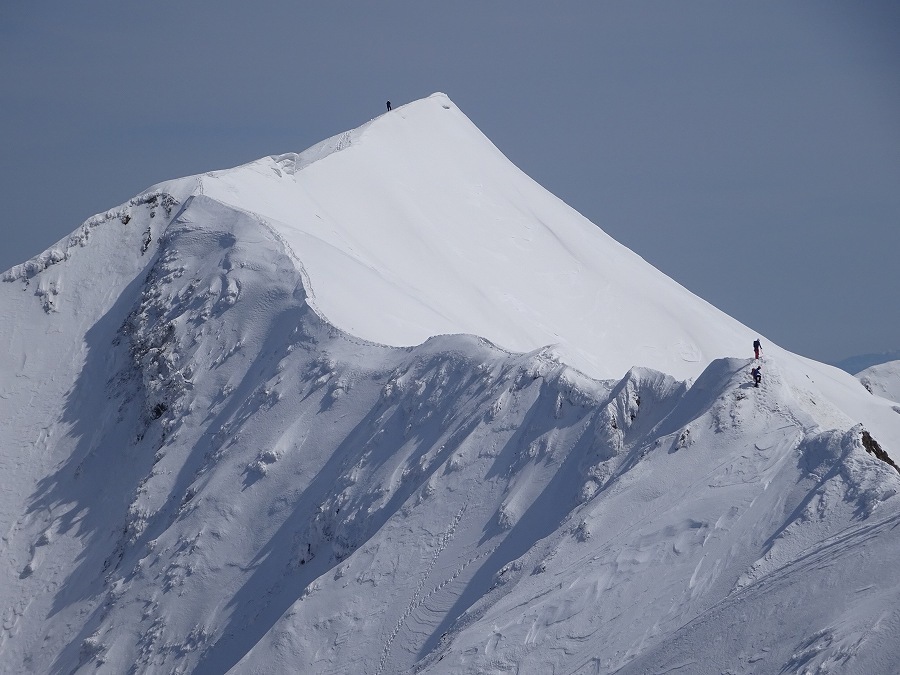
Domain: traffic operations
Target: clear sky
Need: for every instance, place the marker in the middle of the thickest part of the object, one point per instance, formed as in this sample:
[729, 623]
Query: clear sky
[751, 151]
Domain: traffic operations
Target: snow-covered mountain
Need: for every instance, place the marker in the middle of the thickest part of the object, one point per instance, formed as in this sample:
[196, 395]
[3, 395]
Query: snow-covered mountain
[388, 406]
[856, 364]
[882, 380]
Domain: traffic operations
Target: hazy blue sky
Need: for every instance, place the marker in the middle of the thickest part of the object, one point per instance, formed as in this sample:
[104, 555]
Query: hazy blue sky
[751, 151]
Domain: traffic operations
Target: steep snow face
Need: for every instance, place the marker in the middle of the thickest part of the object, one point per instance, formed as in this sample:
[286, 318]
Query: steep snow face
[416, 225]
[883, 380]
[64, 408]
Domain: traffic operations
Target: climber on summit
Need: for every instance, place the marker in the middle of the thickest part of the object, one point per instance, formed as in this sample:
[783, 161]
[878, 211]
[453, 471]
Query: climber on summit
[757, 375]
[757, 348]
[389, 106]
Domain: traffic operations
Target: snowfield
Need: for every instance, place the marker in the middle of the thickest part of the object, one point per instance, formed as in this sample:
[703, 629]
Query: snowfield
[388, 406]
[883, 380]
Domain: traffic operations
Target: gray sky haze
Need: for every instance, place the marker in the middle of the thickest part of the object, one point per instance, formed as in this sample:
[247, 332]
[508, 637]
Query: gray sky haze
[751, 151]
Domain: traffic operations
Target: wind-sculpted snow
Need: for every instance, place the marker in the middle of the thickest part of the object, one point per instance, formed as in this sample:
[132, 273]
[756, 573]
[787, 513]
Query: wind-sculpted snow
[292, 162]
[63, 249]
[206, 475]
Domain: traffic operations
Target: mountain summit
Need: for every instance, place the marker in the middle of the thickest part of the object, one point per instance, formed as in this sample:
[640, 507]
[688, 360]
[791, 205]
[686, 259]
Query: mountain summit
[388, 406]
[415, 225]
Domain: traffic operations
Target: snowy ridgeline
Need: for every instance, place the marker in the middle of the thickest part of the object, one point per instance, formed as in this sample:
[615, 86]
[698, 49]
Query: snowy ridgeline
[63, 249]
[235, 484]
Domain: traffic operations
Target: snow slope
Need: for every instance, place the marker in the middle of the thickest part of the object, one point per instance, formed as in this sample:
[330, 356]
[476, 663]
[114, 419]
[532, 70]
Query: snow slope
[447, 236]
[302, 416]
[883, 380]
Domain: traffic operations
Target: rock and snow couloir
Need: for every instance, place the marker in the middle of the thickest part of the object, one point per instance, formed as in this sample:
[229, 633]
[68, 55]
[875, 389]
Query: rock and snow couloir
[388, 406]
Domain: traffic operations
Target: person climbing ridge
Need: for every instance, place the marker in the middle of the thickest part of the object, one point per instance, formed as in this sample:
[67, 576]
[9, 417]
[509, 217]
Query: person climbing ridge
[757, 348]
[757, 375]
[389, 106]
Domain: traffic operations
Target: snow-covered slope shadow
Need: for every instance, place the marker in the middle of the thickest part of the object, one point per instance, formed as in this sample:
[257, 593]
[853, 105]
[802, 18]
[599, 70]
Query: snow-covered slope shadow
[184, 377]
[255, 450]
[101, 414]
[73, 485]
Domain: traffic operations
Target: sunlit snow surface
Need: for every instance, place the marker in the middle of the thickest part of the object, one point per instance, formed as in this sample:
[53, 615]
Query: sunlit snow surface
[387, 406]
[416, 225]
[883, 380]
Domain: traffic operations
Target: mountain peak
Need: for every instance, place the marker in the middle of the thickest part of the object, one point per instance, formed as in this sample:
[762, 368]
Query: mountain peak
[221, 453]
[415, 225]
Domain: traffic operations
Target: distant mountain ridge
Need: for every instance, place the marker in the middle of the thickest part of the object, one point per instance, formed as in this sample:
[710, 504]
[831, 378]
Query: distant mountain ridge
[388, 406]
[856, 364]
[883, 380]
